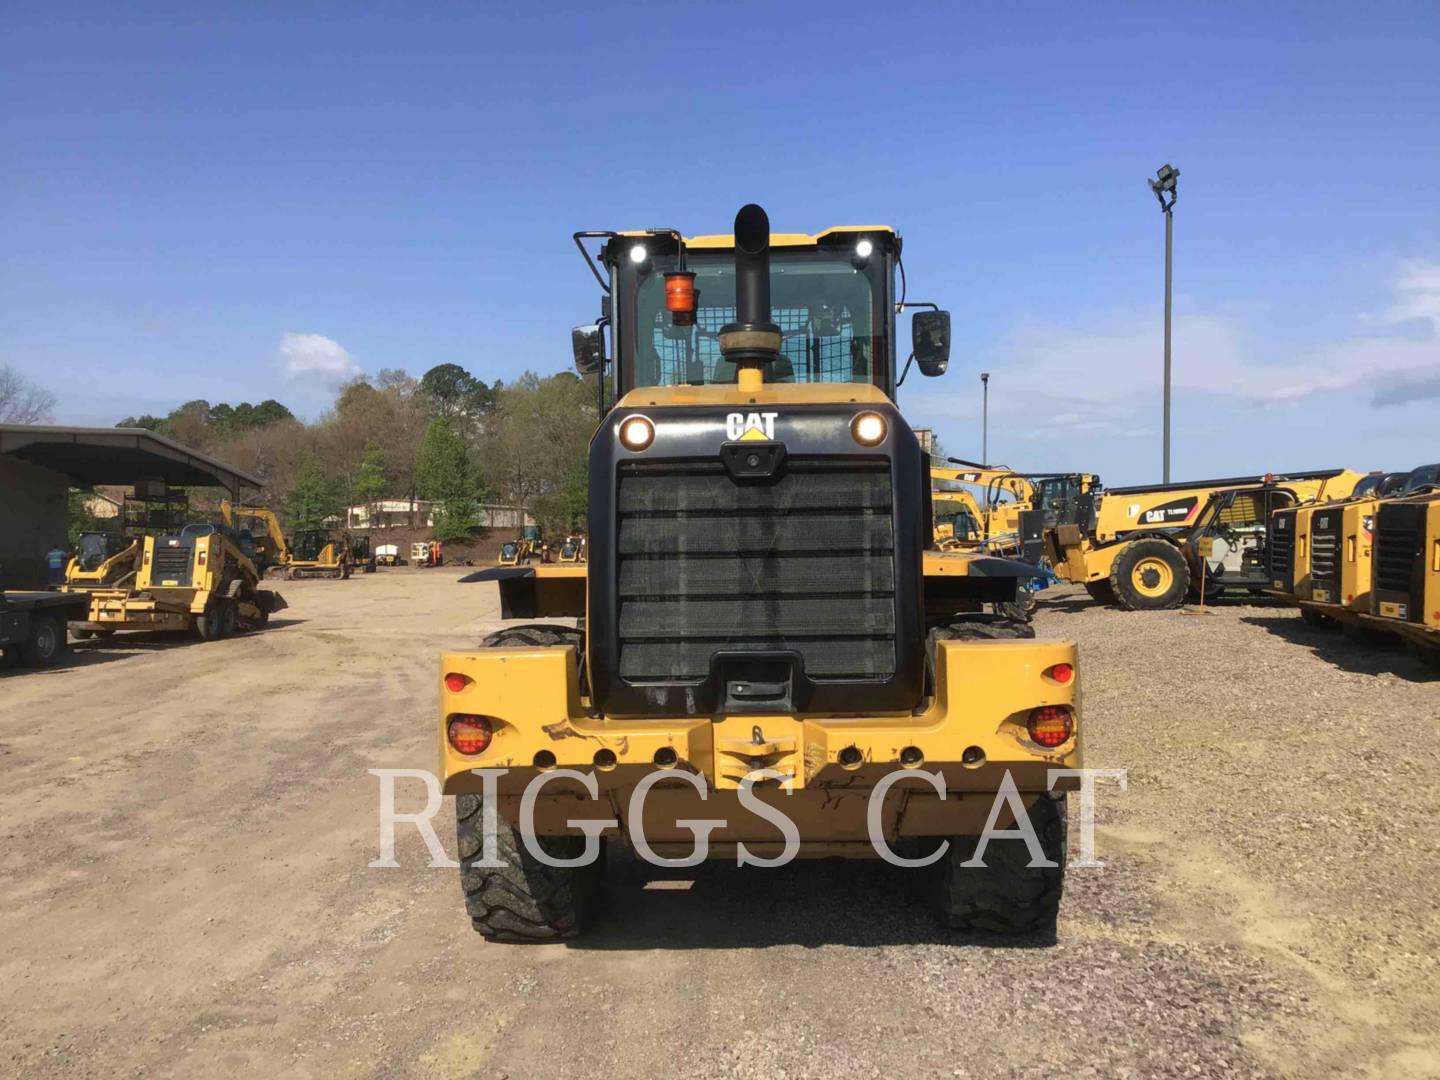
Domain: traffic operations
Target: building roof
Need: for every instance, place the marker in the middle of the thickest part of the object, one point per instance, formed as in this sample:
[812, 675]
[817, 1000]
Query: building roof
[90, 456]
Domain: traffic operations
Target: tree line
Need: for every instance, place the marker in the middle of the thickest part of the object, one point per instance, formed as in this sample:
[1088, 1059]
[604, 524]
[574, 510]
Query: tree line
[447, 438]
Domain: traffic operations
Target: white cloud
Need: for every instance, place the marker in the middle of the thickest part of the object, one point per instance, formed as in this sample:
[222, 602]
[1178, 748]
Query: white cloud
[316, 357]
[1059, 381]
[1417, 296]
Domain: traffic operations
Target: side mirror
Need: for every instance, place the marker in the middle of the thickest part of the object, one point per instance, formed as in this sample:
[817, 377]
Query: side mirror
[588, 344]
[930, 338]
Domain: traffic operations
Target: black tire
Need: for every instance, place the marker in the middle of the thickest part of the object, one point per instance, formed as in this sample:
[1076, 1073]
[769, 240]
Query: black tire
[1131, 575]
[1021, 609]
[46, 643]
[539, 635]
[977, 628]
[1006, 895]
[524, 900]
[229, 618]
[208, 625]
[1100, 592]
[1428, 655]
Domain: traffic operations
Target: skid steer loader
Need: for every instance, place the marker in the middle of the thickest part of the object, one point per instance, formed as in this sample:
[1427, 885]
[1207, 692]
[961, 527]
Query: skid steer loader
[767, 631]
[199, 579]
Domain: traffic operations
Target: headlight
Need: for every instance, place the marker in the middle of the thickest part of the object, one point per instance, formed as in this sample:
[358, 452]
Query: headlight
[636, 433]
[869, 429]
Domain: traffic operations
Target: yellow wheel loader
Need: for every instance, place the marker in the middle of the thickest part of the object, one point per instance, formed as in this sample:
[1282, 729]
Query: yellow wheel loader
[1152, 547]
[199, 579]
[1320, 553]
[771, 656]
[1405, 598]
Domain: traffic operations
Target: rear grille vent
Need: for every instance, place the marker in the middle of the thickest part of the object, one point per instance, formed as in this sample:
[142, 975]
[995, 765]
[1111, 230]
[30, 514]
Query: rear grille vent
[1325, 550]
[171, 564]
[804, 563]
[1397, 546]
[1282, 547]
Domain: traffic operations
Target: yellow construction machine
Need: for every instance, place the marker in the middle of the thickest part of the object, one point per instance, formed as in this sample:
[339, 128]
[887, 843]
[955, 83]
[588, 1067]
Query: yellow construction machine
[767, 632]
[322, 553]
[1151, 547]
[572, 549]
[1012, 509]
[528, 545]
[260, 527]
[1406, 584]
[199, 579]
[1369, 564]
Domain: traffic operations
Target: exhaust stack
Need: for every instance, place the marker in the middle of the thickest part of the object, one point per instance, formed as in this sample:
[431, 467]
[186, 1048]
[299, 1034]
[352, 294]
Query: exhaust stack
[752, 340]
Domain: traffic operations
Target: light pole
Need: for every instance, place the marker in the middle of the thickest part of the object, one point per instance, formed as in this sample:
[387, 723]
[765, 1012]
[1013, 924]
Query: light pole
[985, 418]
[1163, 185]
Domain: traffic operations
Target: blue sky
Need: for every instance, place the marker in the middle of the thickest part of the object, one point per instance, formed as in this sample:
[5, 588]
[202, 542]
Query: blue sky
[198, 202]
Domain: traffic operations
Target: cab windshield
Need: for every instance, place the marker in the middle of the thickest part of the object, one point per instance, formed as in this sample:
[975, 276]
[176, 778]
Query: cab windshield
[832, 318]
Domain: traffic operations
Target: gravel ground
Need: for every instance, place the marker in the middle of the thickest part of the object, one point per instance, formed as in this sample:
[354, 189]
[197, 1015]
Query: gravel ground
[184, 888]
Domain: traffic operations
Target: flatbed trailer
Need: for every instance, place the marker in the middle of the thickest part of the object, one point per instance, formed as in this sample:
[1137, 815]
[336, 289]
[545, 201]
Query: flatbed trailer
[32, 625]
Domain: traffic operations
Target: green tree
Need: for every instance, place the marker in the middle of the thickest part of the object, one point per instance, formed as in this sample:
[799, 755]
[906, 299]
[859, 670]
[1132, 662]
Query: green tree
[314, 497]
[443, 475]
[536, 450]
[371, 484]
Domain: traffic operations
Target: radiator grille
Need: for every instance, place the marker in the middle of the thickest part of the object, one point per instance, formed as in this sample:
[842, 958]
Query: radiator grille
[1282, 547]
[1325, 549]
[1397, 546]
[806, 563]
[171, 563]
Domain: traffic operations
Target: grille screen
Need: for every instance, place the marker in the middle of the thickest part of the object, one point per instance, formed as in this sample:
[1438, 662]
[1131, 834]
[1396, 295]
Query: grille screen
[805, 563]
[171, 564]
[1325, 549]
[1282, 546]
[1397, 542]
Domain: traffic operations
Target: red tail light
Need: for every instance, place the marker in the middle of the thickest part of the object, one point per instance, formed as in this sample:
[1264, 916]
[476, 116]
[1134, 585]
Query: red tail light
[470, 735]
[1051, 725]
[455, 682]
[1061, 673]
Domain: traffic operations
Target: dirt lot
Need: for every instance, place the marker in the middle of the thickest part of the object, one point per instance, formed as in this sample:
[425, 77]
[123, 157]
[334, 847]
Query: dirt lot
[184, 887]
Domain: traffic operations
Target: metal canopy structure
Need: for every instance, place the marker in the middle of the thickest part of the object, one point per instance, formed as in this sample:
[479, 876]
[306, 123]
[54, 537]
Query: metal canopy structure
[90, 456]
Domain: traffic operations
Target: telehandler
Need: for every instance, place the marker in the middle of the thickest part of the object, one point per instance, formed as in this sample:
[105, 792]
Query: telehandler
[199, 579]
[764, 621]
[1151, 547]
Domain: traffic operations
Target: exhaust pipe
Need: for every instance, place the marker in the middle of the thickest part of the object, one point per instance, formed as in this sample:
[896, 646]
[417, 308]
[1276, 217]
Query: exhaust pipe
[752, 340]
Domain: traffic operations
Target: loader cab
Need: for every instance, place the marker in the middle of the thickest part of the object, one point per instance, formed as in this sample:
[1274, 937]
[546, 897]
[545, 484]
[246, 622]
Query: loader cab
[833, 296]
[1421, 479]
[1066, 500]
[93, 548]
[1233, 535]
